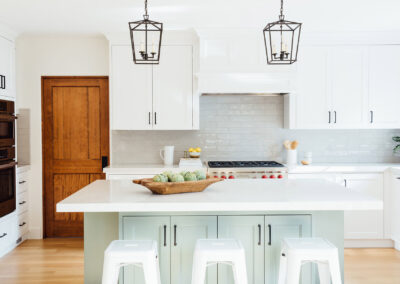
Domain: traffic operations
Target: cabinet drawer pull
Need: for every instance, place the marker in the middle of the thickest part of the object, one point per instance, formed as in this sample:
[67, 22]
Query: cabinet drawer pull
[259, 234]
[165, 235]
[3, 235]
[149, 118]
[329, 116]
[2, 82]
[22, 181]
[398, 177]
[345, 182]
[155, 117]
[335, 115]
[23, 224]
[22, 202]
[269, 234]
[372, 116]
[175, 243]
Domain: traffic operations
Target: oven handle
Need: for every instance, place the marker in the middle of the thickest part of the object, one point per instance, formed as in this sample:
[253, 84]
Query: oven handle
[8, 117]
[7, 166]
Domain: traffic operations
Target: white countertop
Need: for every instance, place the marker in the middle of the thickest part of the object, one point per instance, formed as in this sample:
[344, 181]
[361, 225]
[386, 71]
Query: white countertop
[245, 195]
[152, 169]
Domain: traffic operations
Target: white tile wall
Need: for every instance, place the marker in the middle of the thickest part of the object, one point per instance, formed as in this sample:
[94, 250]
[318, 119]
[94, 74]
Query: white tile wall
[251, 127]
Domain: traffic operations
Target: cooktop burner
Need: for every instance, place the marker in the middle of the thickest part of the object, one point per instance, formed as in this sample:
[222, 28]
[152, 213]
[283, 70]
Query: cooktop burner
[244, 164]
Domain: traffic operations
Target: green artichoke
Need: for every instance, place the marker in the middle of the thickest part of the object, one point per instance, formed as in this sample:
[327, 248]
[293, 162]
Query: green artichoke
[177, 178]
[190, 177]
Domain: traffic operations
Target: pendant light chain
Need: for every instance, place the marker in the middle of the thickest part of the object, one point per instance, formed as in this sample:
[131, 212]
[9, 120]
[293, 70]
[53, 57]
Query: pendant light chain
[146, 14]
[281, 16]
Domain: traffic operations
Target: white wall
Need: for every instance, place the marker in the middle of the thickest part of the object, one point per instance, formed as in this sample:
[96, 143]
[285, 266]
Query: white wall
[38, 56]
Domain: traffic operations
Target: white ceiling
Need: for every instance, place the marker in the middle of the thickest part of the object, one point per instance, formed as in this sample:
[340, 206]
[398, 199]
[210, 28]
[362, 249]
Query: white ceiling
[103, 16]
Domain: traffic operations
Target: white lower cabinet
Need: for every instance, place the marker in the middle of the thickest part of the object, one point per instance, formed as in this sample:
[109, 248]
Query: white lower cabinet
[260, 235]
[8, 233]
[250, 231]
[364, 224]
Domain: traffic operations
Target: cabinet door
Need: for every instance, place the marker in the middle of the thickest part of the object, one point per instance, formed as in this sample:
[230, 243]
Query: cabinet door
[312, 97]
[7, 67]
[384, 86]
[347, 86]
[364, 224]
[172, 89]
[185, 231]
[148, 228]
[277, 228]
[131, 91]
[250, 231]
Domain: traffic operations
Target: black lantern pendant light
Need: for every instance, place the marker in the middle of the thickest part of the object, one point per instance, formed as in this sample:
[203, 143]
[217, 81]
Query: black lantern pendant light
[146, 39]
[282, 40]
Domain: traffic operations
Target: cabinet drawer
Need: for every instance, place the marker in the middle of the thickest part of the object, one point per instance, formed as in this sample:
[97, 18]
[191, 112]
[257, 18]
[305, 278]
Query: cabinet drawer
[22, 182]
[22, 224]
[22, 202]
[7, 233]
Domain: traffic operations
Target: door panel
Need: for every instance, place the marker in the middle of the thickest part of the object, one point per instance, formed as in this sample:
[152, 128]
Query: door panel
[250, 231]
[347, 86]
[172, 89]
[276, 229]
[364, 224]
[75, 137]
[148, 228]
[185, 231]
[132, 91]
[384, 86]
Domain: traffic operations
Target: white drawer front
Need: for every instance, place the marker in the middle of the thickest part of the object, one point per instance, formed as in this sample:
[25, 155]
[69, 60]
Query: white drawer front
[22, 202]
[8, 233]
[22, 224]
[22, 182]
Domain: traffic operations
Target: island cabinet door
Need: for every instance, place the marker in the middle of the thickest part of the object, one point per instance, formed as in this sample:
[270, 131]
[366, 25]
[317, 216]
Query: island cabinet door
[250, 231]
[277, 228]
[185, 231]
[148, 228]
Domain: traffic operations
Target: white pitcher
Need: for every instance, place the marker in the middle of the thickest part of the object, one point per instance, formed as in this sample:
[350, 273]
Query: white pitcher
[167, 155]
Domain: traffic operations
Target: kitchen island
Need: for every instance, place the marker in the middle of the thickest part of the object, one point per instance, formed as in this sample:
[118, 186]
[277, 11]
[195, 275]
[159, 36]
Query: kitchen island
[258, 212]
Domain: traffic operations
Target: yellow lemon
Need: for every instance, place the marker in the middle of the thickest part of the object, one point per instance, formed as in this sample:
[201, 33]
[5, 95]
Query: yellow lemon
[191, 150]
[198, 149]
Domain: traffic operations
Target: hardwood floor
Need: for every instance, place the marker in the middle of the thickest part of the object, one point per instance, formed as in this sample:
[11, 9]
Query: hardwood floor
[61, 261]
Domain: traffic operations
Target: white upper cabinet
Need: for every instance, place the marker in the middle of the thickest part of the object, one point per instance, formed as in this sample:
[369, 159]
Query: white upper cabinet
[346, 84]
[173, 89]
[152, 97]
[131, 91]
[346, 87]
[7, 54]
[384, 86]
[312, 94]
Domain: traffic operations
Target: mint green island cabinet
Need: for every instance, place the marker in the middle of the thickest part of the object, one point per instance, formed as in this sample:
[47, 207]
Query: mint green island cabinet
[259, 213]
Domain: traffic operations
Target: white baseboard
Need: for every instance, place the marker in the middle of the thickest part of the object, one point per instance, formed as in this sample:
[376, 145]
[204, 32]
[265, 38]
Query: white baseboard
[35, 233]
[368, 244]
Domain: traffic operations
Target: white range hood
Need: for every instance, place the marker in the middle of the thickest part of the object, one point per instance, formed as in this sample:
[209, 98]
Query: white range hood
[233, 61]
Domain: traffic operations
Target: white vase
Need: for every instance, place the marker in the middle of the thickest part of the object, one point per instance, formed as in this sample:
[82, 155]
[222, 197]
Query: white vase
[291, 157]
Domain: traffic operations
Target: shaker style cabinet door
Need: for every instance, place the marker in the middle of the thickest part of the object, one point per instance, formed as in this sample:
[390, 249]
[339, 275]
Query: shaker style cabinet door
[384, 87]
[131, 91]
[185, 231]
[172, 89]
[250, 231]
[7, 68]
[347, 86]
[148, 228]
[312, 102]
[277, 228]
[364, 224]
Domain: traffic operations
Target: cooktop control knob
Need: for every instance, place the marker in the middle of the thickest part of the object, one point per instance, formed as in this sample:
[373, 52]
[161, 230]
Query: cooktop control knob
[280, 176]
[231, 177]
[223, 176]
[271, 176]
[264, 176]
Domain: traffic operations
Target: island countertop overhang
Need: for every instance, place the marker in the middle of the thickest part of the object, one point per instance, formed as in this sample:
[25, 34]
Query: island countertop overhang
[226, 196]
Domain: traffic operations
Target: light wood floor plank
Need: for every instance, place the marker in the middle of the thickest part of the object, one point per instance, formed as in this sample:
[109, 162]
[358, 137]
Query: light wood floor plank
[60, 261]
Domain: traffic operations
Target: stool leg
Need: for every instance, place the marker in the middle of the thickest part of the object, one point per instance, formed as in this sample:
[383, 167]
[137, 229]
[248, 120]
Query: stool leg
[110, 271]
[323, 271]
[335, 270]
[293, 270]
[151, 271]
[239, 270]
[282, 269]
[198, 270]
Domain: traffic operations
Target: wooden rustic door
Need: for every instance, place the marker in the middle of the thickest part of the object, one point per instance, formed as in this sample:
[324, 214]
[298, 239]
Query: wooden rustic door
[75, 136]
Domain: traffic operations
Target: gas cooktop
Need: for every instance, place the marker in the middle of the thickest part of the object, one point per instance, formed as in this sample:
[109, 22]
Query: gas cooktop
[244, 164]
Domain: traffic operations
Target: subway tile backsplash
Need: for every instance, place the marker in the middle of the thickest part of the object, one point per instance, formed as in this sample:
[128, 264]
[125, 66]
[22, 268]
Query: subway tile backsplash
[242, 127]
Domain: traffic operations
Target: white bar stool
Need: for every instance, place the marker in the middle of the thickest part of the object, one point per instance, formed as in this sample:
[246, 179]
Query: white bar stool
[298, 251]
[140, 253]
[213, 251]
